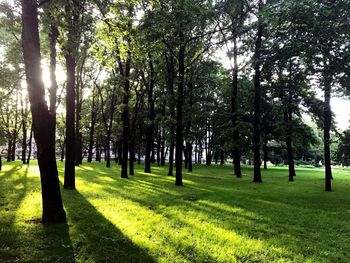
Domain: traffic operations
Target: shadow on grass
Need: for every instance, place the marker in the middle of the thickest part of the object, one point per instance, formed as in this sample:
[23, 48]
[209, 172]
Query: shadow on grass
[12, 192]
[95, 238]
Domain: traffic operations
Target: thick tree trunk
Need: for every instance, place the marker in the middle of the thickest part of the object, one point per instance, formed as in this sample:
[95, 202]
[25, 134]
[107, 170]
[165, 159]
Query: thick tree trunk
[257, 101]
[53, 211]
[179, 111]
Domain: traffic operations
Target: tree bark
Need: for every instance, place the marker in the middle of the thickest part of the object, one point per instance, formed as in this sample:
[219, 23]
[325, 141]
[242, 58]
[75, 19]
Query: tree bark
[70, 57]
[53, 211]
[30, 144]
[151, 115]
[257, 100]
[171, 95]
[53, 36]
[179, 109]
[327, 127]
[234, 91]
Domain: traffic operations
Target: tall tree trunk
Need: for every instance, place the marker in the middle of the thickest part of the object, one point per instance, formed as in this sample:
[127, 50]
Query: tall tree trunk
[171, 95]
[179, 109]
[151, 116]
[53, 36]
[257, 99]
[53, 211]
[327, 113]
[69, 173]
[234, 91]
[70, 57]
[92, 127]
[125, 115]
[288, 119]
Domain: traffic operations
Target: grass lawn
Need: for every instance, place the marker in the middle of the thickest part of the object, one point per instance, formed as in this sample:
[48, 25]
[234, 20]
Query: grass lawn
[215, 217]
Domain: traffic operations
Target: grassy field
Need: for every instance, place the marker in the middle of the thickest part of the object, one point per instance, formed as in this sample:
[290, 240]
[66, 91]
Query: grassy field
[215, 217]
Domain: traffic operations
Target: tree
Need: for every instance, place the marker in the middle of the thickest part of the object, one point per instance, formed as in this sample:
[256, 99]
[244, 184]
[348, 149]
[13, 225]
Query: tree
[53, 211]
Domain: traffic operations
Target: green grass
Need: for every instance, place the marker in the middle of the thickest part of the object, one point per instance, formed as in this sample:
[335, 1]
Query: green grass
[215, 217]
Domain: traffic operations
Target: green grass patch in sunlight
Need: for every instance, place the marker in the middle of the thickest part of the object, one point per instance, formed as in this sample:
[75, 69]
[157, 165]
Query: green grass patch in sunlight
[215, 217]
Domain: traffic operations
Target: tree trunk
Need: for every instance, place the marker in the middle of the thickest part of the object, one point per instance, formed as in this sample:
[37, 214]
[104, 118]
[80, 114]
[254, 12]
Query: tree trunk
[222, 157]
[171, 95]
[53, 211]
[69, 172]
[151, 115]
[9, 150]
[24, 139]
[327, 126]
[179, 109]
[30, 144]
[257, 100]
[234, 91]
[265, 152]
[53, 36]
[288, 118]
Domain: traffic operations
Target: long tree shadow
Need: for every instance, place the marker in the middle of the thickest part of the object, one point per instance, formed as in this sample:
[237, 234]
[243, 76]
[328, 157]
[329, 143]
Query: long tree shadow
[24, 238]
[95, 238]
[13, 189]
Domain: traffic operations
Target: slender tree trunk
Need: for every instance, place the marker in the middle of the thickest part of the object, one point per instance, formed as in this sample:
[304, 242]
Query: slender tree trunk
[98, 152]
[69, 173]
[24, 140]
[179, 109]
[327, 127]
[234, 91]
[0, 163]
[30, 144]
[9, 150]
[257, 100]
[53, 211]
[132, 156]
[265, 151]
[171, 95]
[287, 118]
[125, 115]
[62, 150]
[92, 128]
[151, 115]
[53, 36]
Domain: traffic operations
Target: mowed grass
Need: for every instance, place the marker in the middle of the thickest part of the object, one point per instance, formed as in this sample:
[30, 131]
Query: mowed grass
[214, 217]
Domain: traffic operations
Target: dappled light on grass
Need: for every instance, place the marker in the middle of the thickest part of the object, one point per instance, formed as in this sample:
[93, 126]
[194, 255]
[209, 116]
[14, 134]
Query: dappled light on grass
[215, 217]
